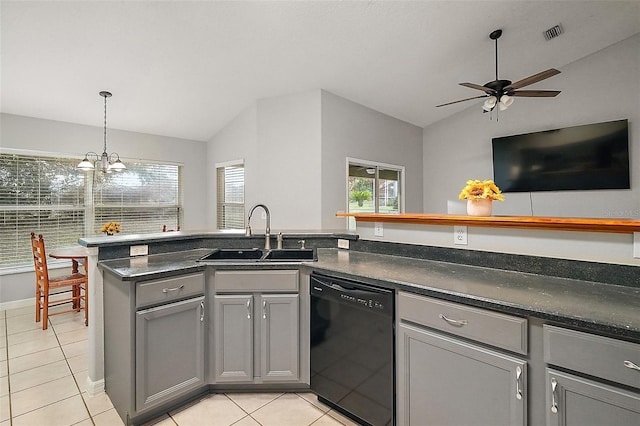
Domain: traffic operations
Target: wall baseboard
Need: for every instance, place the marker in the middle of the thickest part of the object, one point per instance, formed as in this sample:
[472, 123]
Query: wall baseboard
[15, 304]
[95, 388]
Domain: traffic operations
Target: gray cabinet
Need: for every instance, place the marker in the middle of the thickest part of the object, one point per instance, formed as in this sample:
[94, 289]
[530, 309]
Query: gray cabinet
[154, 343]
[233, 330]
[576, 401]
[443, 379]
[279, 347]
[169, 351]
[605, 388]
[256, 327]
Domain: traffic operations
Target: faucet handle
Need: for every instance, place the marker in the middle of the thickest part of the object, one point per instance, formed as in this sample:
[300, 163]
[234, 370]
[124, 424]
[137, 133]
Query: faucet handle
[302, 243]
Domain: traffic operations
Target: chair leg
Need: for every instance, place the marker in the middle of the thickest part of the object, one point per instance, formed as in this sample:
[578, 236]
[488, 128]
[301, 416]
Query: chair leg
[45, 311]
[38, 305]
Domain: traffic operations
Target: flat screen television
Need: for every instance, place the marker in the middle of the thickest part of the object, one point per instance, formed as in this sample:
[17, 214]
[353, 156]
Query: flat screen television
[593, 156]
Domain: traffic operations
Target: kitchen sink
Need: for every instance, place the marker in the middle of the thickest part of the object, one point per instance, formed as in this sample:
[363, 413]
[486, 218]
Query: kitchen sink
[233, 254]
[259, 255]
[291, 255]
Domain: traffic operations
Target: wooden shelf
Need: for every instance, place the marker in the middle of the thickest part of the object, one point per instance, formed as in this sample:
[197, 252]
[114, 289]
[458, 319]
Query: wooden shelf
[622, 226]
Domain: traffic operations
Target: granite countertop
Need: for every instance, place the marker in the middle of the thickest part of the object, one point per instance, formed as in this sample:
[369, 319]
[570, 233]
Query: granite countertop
[605, 308]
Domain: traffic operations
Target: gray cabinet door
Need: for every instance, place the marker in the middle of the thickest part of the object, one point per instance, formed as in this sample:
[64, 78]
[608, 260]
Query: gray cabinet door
[446, 381]
[233, 324]
[279, 337]
[574, 401]
[169, 351]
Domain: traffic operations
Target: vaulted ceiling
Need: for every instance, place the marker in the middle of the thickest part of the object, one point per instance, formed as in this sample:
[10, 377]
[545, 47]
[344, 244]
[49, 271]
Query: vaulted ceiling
[185, 69]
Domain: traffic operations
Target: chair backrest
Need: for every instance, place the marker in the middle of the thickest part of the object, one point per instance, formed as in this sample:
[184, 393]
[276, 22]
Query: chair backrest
[39, 259]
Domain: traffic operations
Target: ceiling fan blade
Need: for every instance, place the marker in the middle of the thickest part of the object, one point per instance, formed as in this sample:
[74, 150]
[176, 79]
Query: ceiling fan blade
[462, 100]
[533, 79]
[476, 86]
[536, 93]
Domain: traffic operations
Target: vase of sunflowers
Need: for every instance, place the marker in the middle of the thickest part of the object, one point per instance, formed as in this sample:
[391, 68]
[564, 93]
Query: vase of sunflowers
[479, 195]
[111, 228]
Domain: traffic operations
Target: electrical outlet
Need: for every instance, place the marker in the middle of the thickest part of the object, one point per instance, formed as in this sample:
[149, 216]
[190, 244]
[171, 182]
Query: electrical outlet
[142, 250]
[460, 235]
[343, 244]
[378, 230]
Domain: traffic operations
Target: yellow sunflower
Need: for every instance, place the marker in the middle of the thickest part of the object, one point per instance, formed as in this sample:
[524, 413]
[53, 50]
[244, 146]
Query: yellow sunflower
[481, 189]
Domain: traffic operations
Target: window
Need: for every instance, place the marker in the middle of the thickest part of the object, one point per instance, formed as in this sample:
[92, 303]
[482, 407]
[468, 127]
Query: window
[50, 196]
[374, 188]
[230, 196]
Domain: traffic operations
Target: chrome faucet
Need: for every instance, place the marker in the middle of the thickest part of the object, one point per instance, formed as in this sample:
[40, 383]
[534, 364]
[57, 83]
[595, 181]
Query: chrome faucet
[267, 232]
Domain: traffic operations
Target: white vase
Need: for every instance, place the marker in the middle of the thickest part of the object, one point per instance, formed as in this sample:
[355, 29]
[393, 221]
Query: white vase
[480, 207]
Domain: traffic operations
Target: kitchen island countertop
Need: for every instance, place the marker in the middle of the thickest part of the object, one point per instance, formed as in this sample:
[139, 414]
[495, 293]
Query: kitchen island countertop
[604, 308]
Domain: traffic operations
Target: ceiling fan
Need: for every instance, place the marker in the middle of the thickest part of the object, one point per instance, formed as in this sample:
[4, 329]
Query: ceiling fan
[500, 93]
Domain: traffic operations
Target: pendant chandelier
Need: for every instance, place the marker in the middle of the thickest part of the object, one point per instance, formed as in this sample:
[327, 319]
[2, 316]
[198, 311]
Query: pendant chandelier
[108, 162]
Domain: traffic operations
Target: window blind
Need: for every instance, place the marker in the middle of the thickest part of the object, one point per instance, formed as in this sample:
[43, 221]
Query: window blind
[142, 198]
[38, 194]
[50, 196]
[230, 197]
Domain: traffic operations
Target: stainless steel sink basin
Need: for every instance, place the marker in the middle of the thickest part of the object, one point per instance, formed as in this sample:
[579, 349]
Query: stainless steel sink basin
[233, 254]
[291, 255]
[260, 255]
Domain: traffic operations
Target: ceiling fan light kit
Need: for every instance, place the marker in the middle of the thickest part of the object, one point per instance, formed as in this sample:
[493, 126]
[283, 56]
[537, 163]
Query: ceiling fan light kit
[500, 93]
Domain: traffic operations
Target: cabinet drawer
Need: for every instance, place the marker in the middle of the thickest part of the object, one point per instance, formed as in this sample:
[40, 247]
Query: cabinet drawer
[256, 281]
[167, 290]
[492, 328]
[598, 356]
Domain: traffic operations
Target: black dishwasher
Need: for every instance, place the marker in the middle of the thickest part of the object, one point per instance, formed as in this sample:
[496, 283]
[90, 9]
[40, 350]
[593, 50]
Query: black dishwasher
[352, 348]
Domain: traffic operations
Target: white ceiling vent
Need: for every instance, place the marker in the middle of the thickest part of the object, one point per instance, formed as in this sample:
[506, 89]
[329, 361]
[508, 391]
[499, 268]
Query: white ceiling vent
[553, 32]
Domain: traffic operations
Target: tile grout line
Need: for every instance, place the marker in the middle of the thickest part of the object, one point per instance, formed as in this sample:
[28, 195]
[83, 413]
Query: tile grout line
[248, 414]
[55, 333]
[6, 349]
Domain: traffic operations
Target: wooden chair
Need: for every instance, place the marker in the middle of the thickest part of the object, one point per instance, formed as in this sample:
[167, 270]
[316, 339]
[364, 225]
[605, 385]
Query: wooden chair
[75, 284]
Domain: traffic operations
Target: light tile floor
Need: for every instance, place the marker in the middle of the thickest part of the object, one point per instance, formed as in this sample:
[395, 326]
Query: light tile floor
[43, 375]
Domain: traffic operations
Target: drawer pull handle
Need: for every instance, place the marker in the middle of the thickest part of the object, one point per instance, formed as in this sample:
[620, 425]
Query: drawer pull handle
[202, 311]
[554, 403]
[457, 323]
[518, 385]
[631, 365]
[167, 290]
[249, 309]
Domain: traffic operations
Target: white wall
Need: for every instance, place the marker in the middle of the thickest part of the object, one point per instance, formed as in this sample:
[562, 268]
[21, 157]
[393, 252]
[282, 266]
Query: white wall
[38, 135]
[287, 160]
[353, 130]
[604, 86]
[279, 140]
[295, 148]
[236, 141]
